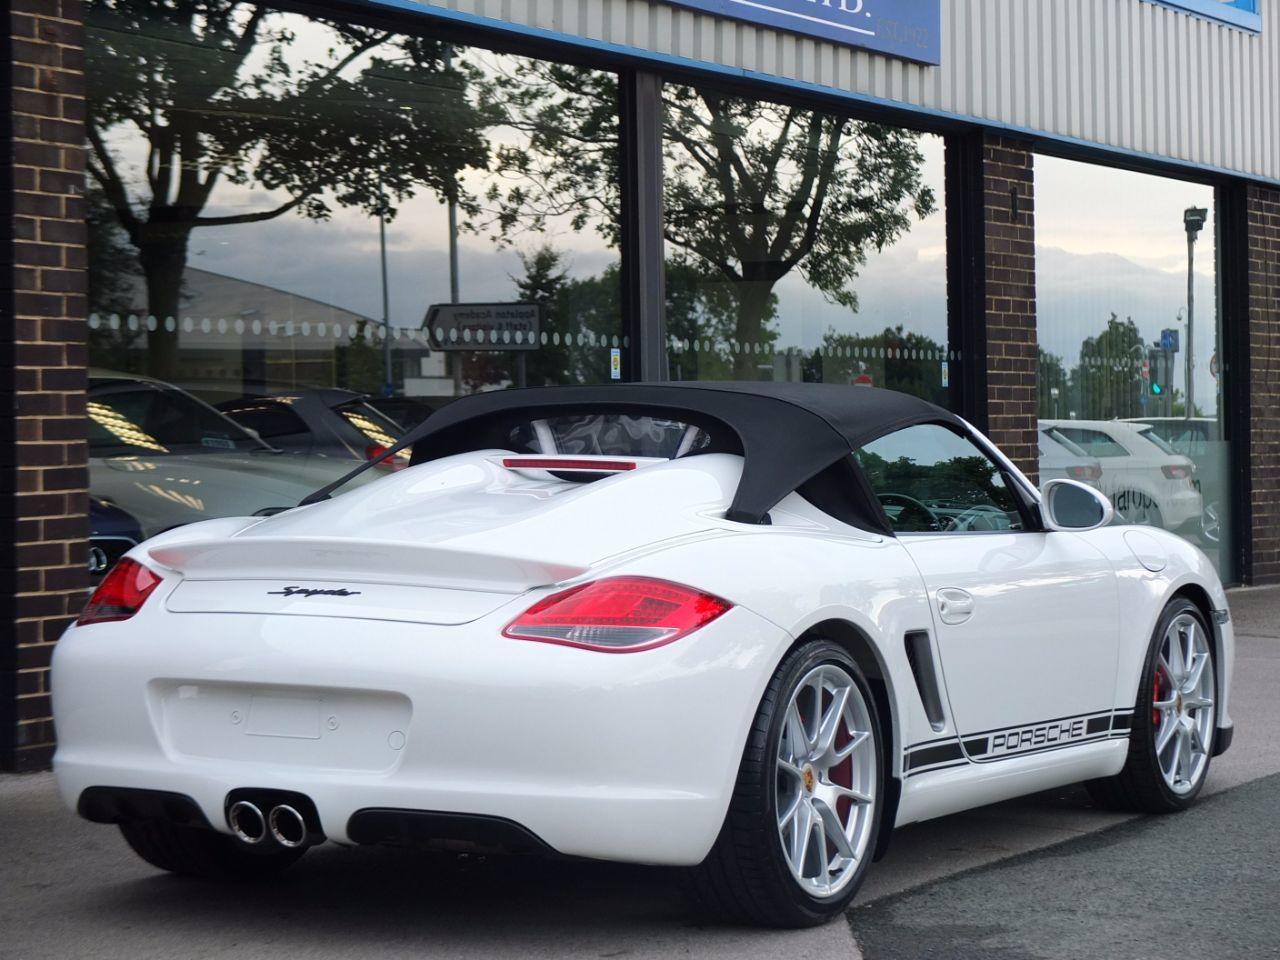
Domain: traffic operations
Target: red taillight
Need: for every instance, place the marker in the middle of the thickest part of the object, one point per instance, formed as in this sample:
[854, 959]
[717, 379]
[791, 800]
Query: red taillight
[121, 593]
[617, 615]
[1177, 471]
[378, 454]
[1086, 473]
[596, 465]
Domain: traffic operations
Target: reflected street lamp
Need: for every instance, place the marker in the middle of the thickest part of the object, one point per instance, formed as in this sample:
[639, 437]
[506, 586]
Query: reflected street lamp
[1193, 218]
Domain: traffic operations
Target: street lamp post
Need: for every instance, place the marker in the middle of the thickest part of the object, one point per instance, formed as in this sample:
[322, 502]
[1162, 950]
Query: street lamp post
[1193, 218]
[388, 386]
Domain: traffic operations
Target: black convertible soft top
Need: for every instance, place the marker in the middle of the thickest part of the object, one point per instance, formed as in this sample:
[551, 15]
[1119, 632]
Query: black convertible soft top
[788, 433]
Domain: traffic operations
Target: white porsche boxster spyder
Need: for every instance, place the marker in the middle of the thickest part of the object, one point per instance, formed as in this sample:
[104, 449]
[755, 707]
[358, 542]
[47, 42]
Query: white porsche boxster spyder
[744, 628]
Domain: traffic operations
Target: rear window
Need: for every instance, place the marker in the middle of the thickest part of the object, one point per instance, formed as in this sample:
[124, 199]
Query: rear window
[609, 434]
[271, 417]
[141, 418]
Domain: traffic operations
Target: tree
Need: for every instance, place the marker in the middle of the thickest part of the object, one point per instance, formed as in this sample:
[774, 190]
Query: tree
[112, 264]
[895, 358]
[1051, 375]
[752, 190]
[197, 93]
[1107, 382]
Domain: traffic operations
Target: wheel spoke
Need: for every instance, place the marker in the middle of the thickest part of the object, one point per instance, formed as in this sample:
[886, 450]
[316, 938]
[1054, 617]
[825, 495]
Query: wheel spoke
[1195, 674]
[797, 735]
[1175, 754]
[1197, 743]
[1173, 662]
[789, 768]
[803, 829]
[1188, 632]
[834, 830]
[790, 815]
[858, 740]
[856, 795]
[1168, 728]
[824, 860]
[831, 722]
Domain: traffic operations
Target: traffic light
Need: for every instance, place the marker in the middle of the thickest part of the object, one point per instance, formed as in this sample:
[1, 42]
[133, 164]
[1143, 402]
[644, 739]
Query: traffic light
[1158, 361]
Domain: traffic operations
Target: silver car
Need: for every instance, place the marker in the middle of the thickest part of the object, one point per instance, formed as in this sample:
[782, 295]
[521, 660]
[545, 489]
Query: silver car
[170, 459]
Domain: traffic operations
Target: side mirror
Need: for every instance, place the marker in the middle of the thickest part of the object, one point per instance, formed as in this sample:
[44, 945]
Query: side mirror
[1072, 505]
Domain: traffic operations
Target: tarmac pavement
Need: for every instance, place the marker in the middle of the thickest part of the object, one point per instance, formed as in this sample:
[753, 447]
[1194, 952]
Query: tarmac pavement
[994, 883]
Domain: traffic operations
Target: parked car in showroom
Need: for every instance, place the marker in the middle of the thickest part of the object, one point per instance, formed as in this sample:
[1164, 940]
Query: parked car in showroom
[745, 629]
[169, 459]
[1061, 459]
[1147, 482]
[324, 422]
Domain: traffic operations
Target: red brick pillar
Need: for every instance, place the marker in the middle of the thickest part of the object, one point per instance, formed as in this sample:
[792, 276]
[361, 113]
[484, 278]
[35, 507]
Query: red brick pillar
[1009, 259]
[43, 472]
[1262, 224]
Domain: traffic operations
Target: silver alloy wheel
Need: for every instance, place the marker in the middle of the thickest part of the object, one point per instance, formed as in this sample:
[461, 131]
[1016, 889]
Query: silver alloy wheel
[825, 782]
[1182, 706]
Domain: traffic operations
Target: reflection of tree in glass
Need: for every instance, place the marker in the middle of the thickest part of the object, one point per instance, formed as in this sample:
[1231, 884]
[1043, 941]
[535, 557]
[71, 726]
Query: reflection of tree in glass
[1107, 383]
[960, 482]
[1053, 375]
[752, 190]
[111, 264]
[897, 359]
[579, 320]
[217, 91]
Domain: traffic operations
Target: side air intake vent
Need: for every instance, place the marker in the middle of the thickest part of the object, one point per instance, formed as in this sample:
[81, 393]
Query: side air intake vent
[920, 656]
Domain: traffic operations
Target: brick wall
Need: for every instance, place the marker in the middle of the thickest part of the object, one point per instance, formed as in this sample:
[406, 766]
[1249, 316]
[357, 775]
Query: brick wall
[1262, 216]
[1009, 254]
[43, 471]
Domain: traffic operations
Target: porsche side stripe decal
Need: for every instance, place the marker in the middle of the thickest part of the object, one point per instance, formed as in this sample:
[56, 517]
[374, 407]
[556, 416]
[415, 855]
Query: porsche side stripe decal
[1017, 740]
[946, 752]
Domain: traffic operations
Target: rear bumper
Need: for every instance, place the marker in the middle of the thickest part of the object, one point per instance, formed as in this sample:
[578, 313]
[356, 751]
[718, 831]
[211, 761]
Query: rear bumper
[625, 757]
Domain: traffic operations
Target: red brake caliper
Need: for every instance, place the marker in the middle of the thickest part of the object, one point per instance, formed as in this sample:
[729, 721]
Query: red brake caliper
[1155, 695]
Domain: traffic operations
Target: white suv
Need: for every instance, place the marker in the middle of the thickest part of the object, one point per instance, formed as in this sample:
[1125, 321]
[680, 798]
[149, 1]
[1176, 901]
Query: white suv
[1146, 480]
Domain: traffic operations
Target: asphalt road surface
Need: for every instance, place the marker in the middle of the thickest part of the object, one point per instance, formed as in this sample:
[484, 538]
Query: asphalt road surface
[1044, 877]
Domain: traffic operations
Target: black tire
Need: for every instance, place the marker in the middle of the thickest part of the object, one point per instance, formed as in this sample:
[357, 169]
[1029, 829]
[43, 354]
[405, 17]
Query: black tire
[199, 852]
[745, 878]
[1140, 786]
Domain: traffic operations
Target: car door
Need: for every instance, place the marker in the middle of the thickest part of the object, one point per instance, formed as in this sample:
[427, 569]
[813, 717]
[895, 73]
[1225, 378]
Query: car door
[1025, 619]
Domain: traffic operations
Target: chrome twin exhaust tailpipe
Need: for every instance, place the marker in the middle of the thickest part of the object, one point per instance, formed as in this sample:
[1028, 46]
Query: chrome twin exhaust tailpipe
[287, 826]
[247, 822]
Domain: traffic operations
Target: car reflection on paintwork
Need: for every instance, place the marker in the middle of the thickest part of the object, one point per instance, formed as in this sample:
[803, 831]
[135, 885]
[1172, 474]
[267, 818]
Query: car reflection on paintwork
[170, 459]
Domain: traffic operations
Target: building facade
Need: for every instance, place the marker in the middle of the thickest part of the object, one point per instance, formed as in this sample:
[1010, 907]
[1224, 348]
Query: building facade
[250, 242]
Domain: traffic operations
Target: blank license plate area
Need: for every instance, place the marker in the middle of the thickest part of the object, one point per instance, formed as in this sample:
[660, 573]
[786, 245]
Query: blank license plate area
[297, 717]
[322, 728]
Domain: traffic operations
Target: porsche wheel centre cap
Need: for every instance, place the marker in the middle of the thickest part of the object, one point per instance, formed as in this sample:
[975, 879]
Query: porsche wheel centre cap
[808, 779]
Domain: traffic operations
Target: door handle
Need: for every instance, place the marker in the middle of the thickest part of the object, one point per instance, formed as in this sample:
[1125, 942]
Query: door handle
[954, 605]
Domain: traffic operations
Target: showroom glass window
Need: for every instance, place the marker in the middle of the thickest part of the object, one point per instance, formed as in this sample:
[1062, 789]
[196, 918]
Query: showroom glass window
[1130, 373]
[802, 246]
[274, 195]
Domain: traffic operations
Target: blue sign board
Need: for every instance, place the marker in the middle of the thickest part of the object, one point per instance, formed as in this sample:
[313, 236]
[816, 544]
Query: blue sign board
[901, 28]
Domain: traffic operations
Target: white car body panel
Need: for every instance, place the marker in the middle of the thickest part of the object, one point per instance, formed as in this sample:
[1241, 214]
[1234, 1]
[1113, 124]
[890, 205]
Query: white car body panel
[405, 694]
